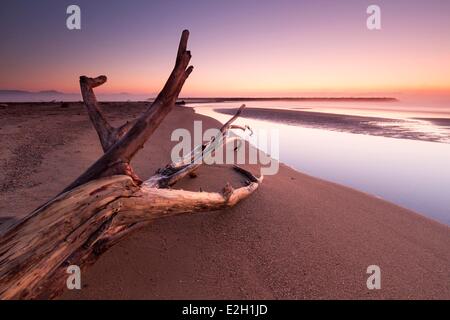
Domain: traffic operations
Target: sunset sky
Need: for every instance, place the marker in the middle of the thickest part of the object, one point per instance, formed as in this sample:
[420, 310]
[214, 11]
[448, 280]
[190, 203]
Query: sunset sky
[239, 48]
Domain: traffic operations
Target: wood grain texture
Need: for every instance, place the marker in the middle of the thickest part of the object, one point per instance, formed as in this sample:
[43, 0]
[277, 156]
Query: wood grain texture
[108, 201]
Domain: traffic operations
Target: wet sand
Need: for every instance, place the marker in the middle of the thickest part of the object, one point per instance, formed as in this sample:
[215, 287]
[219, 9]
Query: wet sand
[376, 126]
[297, 237]
[445, 122]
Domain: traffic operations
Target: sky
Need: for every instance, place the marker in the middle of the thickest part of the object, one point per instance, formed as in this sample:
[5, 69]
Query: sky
[239, 48]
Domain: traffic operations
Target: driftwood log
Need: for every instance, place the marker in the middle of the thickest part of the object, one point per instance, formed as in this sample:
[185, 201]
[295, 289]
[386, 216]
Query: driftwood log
[108, 201]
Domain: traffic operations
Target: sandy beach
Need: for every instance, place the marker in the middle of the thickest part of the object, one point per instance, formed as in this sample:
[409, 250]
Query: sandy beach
[297, 237]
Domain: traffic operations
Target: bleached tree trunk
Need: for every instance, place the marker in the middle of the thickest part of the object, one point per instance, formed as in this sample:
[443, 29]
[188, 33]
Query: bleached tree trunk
[107, 201]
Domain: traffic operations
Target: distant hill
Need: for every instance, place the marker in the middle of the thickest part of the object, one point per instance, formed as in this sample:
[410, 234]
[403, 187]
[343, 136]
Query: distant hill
[29, 96]
[49, 92]
[53, 95]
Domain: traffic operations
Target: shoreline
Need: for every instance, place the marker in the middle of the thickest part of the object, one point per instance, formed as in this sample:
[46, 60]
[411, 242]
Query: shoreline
[298, 237]
[369, 125]
[76, 97]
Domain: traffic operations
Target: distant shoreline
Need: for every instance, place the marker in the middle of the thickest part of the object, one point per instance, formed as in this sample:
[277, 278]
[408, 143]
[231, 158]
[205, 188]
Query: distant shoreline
[244, 99]
[45, 97]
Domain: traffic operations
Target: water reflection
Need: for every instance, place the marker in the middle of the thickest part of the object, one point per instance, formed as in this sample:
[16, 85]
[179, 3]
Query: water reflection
[413, 174]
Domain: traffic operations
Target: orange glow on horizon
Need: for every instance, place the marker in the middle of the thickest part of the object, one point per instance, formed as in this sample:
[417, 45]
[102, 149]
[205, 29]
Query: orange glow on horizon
[293, 49]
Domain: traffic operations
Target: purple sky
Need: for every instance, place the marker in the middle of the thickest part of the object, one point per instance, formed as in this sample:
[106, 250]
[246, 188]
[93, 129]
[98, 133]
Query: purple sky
[265, 48]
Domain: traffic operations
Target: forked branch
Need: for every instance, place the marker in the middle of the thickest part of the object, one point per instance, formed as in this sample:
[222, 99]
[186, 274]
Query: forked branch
[108, 201]
[117, 157]
[107, 134]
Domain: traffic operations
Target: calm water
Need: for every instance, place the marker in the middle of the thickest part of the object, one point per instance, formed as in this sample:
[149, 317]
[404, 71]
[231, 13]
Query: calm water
[411, 173]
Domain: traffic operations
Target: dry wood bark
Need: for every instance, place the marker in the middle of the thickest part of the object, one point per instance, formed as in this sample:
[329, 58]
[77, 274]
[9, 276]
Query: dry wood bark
[108, 201]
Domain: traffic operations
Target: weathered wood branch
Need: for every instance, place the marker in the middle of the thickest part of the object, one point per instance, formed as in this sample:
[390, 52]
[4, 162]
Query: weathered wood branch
[116, 159]
[108, 201]
[174, 172]
[101, 125]
[107, 134]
